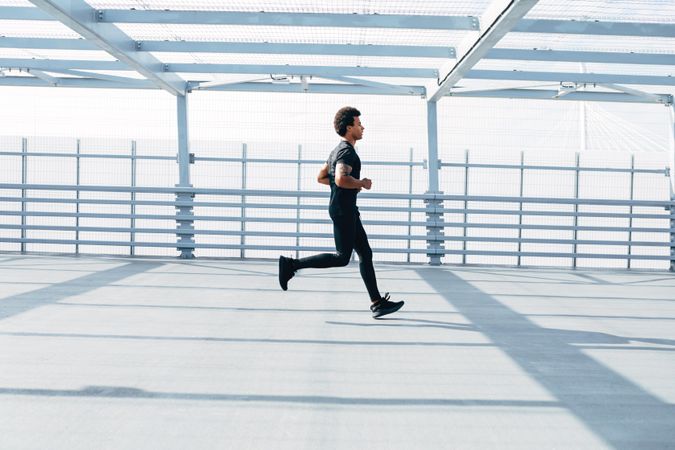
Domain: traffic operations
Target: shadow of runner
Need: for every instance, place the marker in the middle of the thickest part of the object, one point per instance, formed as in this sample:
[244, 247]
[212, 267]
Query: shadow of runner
[20, 303]
[617, 410]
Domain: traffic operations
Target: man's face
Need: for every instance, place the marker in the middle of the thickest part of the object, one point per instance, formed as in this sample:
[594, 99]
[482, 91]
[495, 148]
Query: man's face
[356, 130]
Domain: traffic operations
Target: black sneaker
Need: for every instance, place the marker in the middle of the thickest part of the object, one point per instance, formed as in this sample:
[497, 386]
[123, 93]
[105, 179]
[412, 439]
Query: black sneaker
[286, 271]
[384, 306]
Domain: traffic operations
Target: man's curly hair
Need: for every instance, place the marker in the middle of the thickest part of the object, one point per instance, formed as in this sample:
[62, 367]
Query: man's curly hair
[344, 118]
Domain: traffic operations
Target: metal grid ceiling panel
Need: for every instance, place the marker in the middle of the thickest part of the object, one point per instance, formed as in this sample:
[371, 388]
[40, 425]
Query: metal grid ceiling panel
[36, 28]
[433, 7]
[282, 34]
[606, 10]
[647, 44]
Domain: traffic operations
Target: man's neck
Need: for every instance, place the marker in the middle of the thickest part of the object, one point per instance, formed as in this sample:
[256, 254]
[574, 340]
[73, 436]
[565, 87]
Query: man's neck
[351, 141]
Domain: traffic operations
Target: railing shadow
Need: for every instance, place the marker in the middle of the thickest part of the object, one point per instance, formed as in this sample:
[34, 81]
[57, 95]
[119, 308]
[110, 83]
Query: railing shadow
[623, 414]
[20, 303]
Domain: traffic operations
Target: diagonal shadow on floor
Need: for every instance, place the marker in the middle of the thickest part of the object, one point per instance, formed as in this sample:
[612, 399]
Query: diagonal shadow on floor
[617, 410]
[26, 301]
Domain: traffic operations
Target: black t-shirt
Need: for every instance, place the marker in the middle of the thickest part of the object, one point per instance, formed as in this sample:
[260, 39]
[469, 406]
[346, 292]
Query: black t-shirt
[343, 201]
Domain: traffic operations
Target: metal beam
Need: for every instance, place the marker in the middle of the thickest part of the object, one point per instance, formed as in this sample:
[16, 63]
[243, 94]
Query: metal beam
[319, 71]
[76, 83]
[291, 19]
[499, 19]
[48, 65]
[376, 85]
[574, 56]
[356, 20]
[328, 71]
[46, 43]
[409, 51]
[318, 88]
[82, 18]
[44, 77]
[636, 92]
[61, 64]
[541, 94]
[98, 76]
[596, 28]
[23, 13]
[592, 78]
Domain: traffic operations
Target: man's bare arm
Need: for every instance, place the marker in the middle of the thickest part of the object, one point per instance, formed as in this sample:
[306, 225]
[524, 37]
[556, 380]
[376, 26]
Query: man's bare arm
[344, 179]
[322, 177]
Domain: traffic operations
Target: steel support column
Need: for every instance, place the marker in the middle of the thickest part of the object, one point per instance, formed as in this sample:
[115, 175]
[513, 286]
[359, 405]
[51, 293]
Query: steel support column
[184, 210]
[435, 229]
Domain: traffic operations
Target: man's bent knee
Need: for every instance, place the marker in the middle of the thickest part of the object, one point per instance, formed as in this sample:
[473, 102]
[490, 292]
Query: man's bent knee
[342, 259]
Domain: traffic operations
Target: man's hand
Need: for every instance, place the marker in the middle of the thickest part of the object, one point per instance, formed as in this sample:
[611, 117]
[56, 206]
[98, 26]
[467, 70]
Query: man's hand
[367, 183]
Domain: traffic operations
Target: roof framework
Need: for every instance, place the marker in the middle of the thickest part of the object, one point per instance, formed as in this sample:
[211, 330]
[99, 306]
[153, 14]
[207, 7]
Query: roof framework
[428, 48]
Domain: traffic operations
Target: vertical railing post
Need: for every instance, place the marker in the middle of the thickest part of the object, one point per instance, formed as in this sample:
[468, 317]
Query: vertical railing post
[575, 233]
[630, 218]
[132, 237]
[410, 191]
[184, 199]
[434, 206]
[520, 205]
[244, 151]
[78, 150]
[671, 166]
[24, 180]
[297, 202]
[466, 204]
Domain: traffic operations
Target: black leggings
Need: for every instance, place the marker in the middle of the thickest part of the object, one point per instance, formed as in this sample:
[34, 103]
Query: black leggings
[349, 235]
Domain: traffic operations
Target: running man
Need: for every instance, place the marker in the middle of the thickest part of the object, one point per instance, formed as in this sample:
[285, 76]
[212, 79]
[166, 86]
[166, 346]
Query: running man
[342, 172]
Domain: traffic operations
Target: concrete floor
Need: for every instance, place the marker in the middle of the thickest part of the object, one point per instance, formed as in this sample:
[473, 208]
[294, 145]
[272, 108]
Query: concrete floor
[106, 353]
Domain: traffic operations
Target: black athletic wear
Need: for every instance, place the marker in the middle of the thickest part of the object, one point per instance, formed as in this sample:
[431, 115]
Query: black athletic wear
[347, 228]
[343, 201]
[385, 306]
[349, 235]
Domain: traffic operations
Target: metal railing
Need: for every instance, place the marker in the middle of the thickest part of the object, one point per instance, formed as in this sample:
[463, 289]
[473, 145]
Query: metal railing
[426, 218]
[422, 203]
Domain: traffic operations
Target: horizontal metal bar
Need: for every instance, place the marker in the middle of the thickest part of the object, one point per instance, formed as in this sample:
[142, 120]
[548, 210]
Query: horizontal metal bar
[596, 28]
[304, 161]
[236, 205]
[650, 80]
[580, 56]
[559, 201]
[317, 194]
[277, 248]
[323, 88]
[201, 191]
[543, 94]
[196, 218]
[58, 64]
[73, 82]
[549, 254]
[263, 18]
[663, 171]
[373, 237]
[87, 155]
[23, 13]
[408, 51]
[45, 43]
[398, 72]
